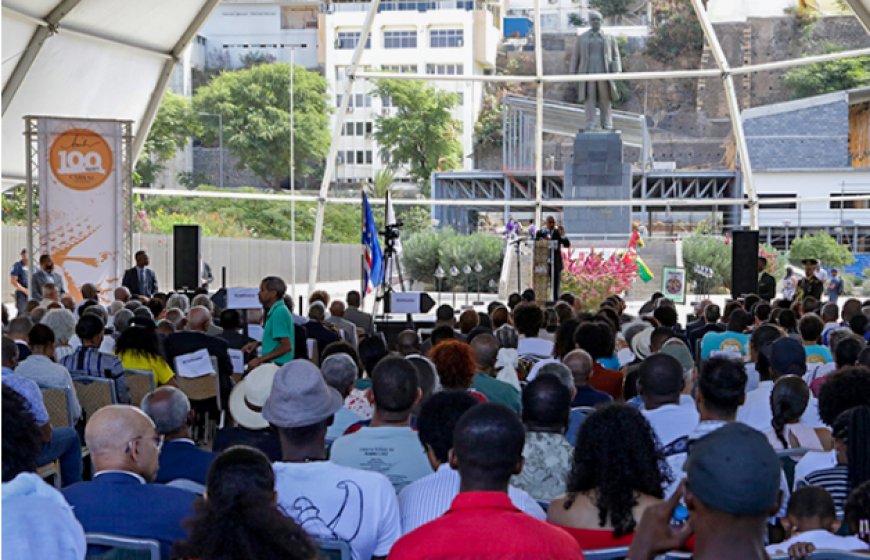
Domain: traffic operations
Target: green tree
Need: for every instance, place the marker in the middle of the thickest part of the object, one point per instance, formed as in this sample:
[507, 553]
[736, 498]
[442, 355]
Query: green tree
[826, 77]
[383, 180]
[676, 32]
[611, 8]
[422, 134]
[173, 127]
[823, 247]
[255, 104]
[711, 251]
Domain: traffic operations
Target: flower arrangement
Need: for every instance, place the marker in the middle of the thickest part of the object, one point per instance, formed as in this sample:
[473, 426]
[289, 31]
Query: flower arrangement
[592, 276]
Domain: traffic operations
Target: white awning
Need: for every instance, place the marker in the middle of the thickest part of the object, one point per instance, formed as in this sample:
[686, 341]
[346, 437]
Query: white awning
[89, 58]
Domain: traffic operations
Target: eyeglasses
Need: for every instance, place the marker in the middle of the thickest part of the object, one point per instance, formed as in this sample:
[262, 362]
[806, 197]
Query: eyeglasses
[157, 440]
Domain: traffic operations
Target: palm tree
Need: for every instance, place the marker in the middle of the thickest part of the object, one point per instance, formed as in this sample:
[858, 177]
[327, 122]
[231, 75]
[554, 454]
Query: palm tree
[382, 182]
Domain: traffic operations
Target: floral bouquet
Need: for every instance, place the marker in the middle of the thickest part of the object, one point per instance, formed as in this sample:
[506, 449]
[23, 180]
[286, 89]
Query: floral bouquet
[592, 276]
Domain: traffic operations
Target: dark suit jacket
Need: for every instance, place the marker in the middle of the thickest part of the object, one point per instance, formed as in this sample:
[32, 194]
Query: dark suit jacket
[321, 334]
[183, 459]
[119, 504]
[131, 282]
[185, 342]
[23, 351]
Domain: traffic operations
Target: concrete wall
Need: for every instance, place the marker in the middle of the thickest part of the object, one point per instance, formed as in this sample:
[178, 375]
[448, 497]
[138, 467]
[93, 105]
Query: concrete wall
[247, 260]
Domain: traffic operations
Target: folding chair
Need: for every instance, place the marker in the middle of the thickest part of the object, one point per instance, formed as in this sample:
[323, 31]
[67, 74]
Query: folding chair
[614, 553]
[788, 458]
[94, 393]
[313, 354]
[58, 403]
[140, 382]
[333, 549]
[103, 546]
[201, 390]
[52, 471]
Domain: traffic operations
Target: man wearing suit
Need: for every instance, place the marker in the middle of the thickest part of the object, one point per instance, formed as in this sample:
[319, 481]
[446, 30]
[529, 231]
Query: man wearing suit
[170, 410]
[193, 339]
[125, 450]
[596, 53]
[353, 314]
[140, 280]
[766, 282]
[556, 235]
[336, 318]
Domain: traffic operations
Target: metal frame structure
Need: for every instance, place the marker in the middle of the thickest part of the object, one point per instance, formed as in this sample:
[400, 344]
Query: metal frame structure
[53, 24]
[31, 185]
[723, 71]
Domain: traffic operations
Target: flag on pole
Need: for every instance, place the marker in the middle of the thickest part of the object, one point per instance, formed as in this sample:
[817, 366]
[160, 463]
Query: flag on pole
[373, 265]
[643, 271]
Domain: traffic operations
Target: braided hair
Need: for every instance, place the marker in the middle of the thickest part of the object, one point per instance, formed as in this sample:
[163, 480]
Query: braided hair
[788, 401]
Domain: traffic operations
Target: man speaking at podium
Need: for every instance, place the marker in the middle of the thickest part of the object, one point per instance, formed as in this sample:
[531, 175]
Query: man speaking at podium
[556, 235]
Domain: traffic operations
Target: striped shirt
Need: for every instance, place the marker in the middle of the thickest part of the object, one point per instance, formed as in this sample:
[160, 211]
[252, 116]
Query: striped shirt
[87, 360]
[835, 480]
[430, 497]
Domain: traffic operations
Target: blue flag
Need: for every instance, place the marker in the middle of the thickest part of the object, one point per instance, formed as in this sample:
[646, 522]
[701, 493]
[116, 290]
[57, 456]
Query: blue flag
[373, 269]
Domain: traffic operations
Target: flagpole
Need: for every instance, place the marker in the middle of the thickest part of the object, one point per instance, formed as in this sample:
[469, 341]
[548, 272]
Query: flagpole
[362, 256]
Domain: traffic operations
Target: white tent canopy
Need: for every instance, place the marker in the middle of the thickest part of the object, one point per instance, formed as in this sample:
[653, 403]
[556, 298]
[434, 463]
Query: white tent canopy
[89, 58]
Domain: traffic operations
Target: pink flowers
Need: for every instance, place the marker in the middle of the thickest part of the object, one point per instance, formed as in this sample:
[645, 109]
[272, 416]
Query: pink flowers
[592, 277]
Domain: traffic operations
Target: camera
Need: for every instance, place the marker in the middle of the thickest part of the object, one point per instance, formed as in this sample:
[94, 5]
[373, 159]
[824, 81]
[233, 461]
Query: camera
[392, 231]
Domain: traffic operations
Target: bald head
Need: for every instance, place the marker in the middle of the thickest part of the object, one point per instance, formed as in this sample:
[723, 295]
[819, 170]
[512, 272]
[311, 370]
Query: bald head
[485, 348]
[336, 308]
[121, 437]
[580, 364]
[198, 319]
[122, 294]
[408, 342]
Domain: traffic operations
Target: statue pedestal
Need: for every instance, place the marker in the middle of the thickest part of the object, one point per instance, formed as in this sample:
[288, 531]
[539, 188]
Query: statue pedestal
[597, 172]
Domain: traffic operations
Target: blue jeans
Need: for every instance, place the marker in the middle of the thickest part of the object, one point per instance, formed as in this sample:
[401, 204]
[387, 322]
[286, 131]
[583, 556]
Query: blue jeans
[67, 448]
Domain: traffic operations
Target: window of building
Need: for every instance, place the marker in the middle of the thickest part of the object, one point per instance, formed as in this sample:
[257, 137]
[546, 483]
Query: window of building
[368, 157]
[400, 68]
[445, 69]
[781, 206]
[836, 204]
[445, 38]
[350, 39]
[400, 39]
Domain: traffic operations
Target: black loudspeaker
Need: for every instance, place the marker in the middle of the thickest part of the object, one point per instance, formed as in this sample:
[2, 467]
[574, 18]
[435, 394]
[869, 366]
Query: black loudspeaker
[186, 257]
[744, 263]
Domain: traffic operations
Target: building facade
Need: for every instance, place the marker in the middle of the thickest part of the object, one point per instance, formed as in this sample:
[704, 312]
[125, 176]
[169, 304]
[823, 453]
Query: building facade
[456, 37]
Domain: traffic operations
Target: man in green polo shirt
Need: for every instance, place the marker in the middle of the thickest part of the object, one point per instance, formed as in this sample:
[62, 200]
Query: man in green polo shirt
[485, 348]
[278, 330]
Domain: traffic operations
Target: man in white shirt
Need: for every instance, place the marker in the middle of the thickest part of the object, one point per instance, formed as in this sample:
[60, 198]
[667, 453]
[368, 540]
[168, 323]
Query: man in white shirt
[660, 383]
[430, 497]
[528, 319]
[785, 356]
[328, 500]
[388, 445]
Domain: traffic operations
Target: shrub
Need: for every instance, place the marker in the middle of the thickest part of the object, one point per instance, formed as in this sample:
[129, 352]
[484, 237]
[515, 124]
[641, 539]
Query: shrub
[424, 251]
[823, 247]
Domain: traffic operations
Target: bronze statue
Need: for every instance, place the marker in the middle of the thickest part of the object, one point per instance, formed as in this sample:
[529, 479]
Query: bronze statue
[596, 53]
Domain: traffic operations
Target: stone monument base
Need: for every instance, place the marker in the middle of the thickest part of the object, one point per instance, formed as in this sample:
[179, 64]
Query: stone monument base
[597, 172]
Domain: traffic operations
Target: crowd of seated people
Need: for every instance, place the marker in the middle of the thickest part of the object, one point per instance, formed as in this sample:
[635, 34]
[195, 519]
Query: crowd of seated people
[521, 431]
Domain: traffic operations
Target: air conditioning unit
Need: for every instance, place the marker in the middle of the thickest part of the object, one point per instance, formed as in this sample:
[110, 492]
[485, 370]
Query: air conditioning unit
[350, 108]
[338, 43]
[340, 159]
[459, 43]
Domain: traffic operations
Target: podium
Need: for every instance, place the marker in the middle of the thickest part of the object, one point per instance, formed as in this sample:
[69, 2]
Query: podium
[541, 282]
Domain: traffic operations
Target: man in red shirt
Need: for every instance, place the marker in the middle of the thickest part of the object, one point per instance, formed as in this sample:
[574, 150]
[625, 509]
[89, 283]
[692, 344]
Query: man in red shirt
[482, 523]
